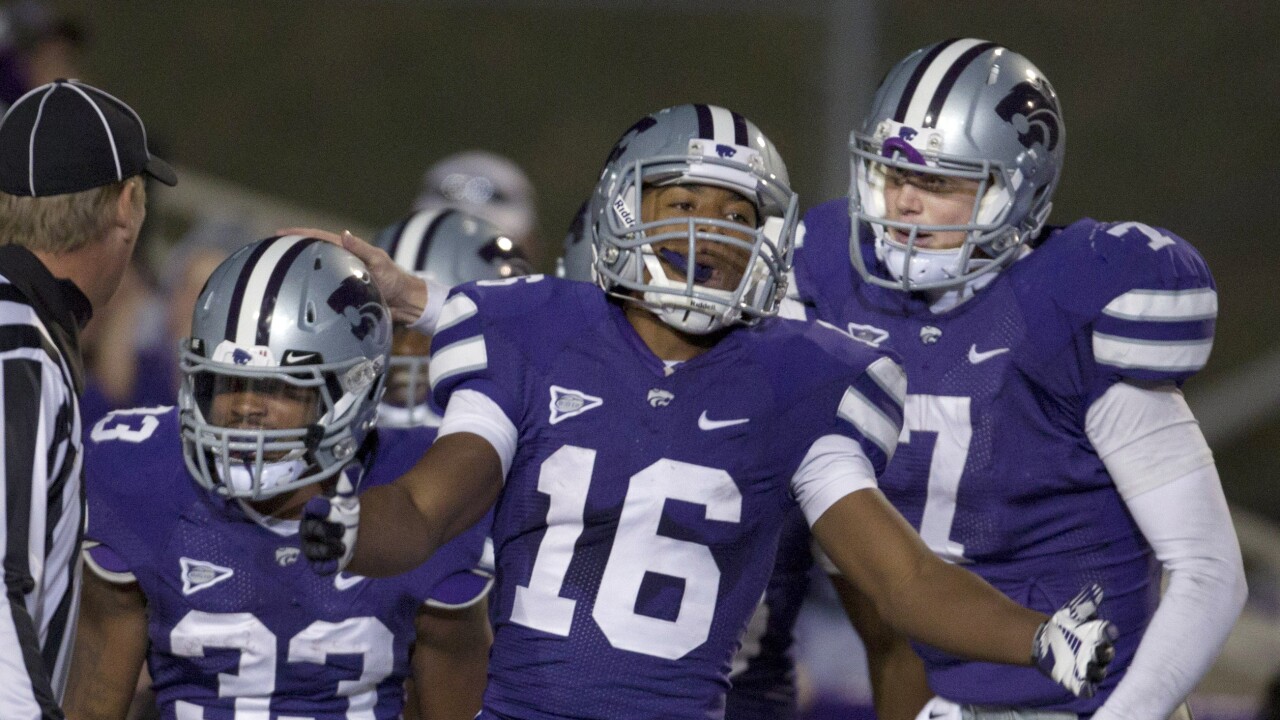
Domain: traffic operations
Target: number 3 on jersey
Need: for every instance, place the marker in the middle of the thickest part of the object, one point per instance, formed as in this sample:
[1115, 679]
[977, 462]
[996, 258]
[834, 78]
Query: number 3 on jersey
[565, 477]
[948, 417]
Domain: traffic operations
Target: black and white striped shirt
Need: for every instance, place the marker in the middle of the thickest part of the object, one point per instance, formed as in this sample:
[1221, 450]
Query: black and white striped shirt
[42, 508]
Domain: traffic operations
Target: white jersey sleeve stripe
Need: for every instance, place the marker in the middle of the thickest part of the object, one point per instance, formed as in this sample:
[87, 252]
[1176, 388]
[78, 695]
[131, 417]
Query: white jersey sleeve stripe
[833, 467]
[462, 356]
[458, 308]
[869, 420]
[1165, 305]
[1168, 356]
[891, 378]
[474, 412]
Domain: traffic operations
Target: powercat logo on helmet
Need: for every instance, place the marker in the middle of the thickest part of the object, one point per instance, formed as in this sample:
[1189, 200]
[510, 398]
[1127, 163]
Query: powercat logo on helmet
[1032, 110]
[725, 151]
[229, 353]
[353, 300]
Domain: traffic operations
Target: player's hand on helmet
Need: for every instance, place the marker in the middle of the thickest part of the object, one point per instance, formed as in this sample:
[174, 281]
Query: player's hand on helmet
[329, 526]
[404, 292]
[1074, 646]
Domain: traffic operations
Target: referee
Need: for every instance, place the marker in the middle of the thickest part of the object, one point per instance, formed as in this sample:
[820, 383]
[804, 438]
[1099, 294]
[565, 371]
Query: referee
[72, 200]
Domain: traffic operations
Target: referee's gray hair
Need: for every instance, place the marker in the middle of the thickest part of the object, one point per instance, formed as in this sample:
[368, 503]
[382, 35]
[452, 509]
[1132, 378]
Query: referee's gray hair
[62, 223]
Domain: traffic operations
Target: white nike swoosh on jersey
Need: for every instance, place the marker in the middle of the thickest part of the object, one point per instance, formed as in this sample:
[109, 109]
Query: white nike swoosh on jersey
[342, 581]
[976, 357]
[705, 423]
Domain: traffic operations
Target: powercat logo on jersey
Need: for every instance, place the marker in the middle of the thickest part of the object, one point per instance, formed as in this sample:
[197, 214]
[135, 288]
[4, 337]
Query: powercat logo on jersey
[566, 403]
[286, 556]
[199, 575]
[660, 398]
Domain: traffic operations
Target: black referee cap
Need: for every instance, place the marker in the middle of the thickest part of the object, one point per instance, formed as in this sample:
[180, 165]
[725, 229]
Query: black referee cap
[67, 136]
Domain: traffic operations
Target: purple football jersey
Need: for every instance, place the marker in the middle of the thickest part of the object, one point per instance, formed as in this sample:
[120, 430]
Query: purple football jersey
[239, 625]
[638, 525]
[994, 468]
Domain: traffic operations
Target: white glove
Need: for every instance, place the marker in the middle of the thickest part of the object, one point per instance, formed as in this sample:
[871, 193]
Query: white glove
[1074, 647]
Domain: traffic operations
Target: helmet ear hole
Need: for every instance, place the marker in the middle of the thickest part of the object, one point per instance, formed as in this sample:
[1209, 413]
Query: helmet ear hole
[310, 313]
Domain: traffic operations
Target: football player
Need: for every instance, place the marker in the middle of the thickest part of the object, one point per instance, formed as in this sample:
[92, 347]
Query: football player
[447, 247]
[644, 446]
[1046, 442]
[763, 670]
[191, 550]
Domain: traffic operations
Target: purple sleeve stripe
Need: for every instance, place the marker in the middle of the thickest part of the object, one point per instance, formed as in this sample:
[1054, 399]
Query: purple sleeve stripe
[1140, 331]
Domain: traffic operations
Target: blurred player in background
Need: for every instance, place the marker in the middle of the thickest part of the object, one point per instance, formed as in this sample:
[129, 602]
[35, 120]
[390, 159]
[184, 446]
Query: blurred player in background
[1046, 441]
[488, 186]
[37, 46]
[644, 448]
[190, 549]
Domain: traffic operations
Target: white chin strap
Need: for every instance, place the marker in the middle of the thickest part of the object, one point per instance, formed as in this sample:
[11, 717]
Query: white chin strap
[686, 314]
[239, 476]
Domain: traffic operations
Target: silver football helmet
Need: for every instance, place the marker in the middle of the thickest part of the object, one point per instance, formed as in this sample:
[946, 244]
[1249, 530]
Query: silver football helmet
[450, 247]
[284, 368]
[961, 108]
[700, 145]
[578, 258]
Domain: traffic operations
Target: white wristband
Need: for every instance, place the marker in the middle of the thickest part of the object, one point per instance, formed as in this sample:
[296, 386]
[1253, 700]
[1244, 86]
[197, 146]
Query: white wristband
[437, 292]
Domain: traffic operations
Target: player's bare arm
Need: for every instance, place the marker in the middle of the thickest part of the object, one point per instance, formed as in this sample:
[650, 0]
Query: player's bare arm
[110, 645]
[451, 660]
[917, 593]
[899, 686]
[448, 491]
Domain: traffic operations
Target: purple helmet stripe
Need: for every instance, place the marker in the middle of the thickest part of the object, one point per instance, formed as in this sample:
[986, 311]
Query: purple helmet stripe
[739, 129]
[706, 123]
[904, 101]
[242, 282]
[274, 284]
[420, 262]
[949, 81]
